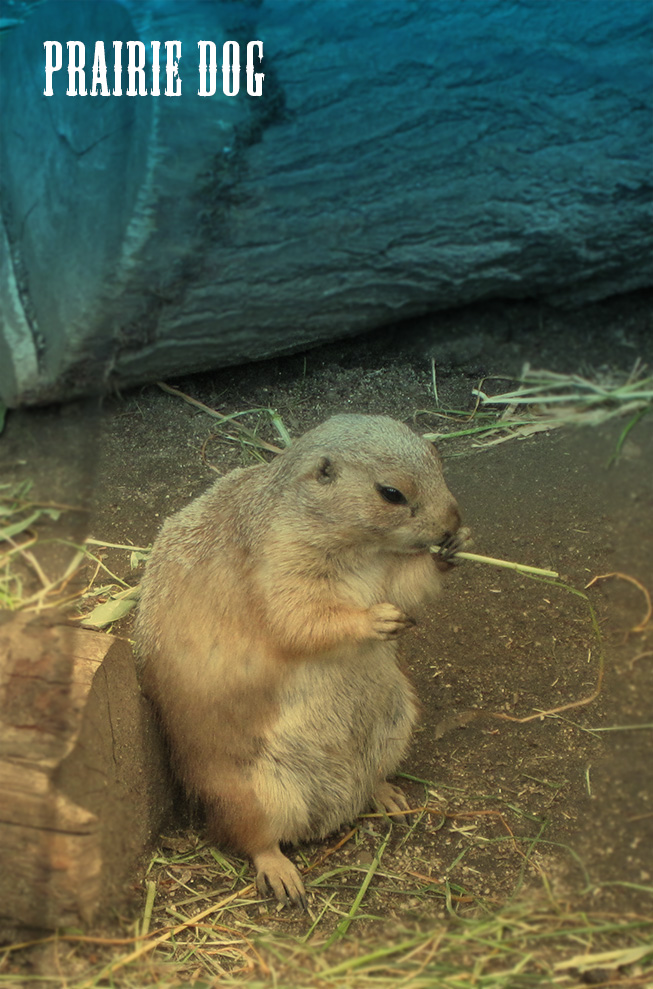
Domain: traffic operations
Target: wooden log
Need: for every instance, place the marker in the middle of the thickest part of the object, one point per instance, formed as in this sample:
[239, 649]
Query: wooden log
[84, 786]
[404, 157]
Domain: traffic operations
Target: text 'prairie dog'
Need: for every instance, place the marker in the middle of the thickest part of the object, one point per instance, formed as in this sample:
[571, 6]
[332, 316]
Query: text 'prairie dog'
[268, 622]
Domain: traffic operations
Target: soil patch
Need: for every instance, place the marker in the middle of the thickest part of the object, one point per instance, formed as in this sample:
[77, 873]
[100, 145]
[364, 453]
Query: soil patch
[561, 802]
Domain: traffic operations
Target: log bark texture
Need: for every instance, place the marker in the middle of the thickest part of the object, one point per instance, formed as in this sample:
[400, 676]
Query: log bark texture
[83, 777]
[406, 156]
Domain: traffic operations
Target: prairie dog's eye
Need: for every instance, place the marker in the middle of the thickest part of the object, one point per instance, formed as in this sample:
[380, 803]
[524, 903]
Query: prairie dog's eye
[391, 495]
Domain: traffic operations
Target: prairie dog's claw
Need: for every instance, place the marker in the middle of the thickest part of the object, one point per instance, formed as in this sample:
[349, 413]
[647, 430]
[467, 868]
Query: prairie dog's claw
[392, 800]
[277, 873]
[456, 542]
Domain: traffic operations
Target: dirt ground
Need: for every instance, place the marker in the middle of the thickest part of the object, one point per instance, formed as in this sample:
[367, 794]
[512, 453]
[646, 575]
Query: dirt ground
[572, 790]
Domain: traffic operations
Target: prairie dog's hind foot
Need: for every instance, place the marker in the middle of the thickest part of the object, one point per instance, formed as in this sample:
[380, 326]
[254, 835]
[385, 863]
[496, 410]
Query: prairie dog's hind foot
[275, 872]
[392, 800]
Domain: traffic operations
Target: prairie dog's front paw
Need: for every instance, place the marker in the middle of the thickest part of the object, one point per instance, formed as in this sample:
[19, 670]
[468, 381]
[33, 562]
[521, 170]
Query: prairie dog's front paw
[464, 539]
[387, 621]
[460, 540]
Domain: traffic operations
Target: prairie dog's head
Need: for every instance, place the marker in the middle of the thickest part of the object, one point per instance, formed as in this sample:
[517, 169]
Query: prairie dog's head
[368, 479]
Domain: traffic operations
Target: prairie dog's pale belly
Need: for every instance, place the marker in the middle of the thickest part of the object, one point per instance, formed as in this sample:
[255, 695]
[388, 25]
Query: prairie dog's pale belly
[323, 755]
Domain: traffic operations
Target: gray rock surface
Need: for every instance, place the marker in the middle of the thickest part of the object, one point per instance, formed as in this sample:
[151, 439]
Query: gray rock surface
[405, 157]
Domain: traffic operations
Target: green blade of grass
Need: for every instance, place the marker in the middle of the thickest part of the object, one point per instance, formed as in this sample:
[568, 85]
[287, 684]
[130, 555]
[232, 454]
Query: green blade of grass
[108, 612]
[9, 531]
[624, 433]
[149, 905]
[346, 922]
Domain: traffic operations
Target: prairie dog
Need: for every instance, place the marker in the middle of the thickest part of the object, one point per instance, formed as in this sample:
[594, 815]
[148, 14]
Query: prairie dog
[267, 625]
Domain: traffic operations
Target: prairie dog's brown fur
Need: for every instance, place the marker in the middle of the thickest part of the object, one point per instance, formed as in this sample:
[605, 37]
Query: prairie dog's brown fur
[267, 625]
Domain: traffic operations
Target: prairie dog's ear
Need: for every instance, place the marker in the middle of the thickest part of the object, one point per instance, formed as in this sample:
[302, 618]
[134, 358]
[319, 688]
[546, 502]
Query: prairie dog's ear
[326, 471]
